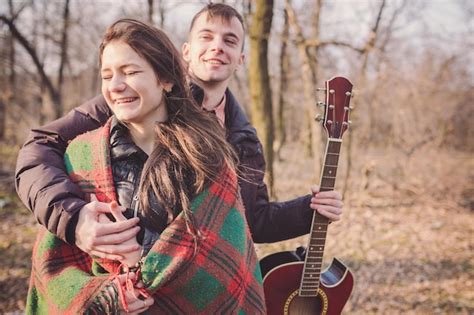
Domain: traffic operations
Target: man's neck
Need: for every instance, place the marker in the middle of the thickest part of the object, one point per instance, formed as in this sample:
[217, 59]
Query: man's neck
[213, 93]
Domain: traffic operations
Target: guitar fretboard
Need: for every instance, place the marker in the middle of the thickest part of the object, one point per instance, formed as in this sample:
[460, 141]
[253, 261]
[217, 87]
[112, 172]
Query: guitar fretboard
[317, 240]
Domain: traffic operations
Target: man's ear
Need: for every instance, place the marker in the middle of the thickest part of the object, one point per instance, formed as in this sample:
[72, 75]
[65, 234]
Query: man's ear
[241, 60]
[185, 51]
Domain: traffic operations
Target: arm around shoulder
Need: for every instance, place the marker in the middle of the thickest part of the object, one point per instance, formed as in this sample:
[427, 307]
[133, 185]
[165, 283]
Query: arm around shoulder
[40, 176]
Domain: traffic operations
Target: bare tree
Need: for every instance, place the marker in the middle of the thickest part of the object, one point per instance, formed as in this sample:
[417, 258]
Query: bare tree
[63, 60]
[53, 90]
[283, 90]
[259, 81]
[150, 11]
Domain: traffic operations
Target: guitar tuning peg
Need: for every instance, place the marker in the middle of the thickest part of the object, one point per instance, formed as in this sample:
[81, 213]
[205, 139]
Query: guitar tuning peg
[321, 89]
[320, 104]
[346, 108]
[331, 91]
[347, 124]
[319, 118]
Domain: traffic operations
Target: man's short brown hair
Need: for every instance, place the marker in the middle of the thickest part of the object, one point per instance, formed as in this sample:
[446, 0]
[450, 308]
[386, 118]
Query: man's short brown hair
[226, 12]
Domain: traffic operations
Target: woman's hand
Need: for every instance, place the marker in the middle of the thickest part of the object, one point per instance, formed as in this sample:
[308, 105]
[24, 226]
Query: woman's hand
[134, 304]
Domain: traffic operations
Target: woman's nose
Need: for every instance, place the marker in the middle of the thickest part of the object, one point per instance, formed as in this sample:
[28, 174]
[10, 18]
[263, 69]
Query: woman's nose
[117, 84]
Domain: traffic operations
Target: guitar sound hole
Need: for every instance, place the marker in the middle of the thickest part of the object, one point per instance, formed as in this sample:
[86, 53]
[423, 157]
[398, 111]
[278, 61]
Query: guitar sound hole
[306, 306]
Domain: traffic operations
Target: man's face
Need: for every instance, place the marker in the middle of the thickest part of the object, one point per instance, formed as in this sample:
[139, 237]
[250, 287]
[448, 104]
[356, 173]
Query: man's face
[214, 50]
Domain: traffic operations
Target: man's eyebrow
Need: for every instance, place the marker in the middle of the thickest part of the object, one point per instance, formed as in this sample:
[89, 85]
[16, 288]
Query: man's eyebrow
[207, 30]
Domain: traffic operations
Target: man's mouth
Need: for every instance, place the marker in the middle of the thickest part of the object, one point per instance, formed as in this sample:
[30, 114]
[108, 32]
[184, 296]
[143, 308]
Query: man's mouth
[214, 61]
[124, 100]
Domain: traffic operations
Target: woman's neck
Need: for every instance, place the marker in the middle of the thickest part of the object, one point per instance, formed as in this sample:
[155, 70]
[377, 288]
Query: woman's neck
[143, 136]
[143, 132]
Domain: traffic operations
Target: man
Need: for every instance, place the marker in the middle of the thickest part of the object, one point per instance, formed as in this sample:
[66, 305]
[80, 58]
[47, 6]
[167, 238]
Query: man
[214, 51]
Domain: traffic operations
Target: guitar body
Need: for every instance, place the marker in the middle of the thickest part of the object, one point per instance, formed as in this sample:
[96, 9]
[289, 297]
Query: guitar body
[282, 279]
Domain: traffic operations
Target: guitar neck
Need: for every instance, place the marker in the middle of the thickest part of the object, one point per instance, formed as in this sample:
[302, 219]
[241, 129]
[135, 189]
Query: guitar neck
[314, 253]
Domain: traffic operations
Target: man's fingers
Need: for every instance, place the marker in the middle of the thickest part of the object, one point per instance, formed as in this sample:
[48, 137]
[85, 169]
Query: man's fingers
[331, 202]
[314, 189]
[113, 233]
[332, 194]
[117, 227]
[330, 215]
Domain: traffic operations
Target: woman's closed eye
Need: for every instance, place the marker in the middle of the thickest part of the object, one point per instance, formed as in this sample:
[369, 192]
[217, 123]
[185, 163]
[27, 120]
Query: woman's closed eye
[130, 73]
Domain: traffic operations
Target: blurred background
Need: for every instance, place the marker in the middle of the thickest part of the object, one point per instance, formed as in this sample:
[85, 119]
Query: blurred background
[406, 168]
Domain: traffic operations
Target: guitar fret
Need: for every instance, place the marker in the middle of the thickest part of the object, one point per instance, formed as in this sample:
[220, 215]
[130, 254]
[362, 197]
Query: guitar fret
[317, 240]
[326, 187]
[311, 281]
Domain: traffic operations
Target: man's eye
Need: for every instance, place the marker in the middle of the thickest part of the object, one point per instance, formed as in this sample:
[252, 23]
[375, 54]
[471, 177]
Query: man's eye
[132, 72]
[106, 78]
[231, 42]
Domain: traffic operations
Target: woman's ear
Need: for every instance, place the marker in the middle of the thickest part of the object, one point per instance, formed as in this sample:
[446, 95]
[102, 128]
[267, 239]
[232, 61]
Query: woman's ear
[167, 87]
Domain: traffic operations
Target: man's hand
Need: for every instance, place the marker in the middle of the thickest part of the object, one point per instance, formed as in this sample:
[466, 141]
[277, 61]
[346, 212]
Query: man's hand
[327, 203]
[99, 236]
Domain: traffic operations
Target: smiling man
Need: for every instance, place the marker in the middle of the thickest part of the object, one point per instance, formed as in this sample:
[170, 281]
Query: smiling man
[214, 51]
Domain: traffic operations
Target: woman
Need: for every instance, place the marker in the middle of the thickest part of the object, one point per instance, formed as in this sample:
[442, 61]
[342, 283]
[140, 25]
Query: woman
[167, 160]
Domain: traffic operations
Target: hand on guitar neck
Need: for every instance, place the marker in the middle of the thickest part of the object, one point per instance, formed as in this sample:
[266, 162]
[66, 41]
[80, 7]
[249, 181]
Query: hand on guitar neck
[327, 203]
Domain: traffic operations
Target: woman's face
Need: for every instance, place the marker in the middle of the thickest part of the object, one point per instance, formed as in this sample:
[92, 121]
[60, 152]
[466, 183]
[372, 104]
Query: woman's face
[130, 86]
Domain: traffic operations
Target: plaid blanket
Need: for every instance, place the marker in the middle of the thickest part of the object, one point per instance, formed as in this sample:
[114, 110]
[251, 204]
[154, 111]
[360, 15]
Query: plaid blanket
[218, 274]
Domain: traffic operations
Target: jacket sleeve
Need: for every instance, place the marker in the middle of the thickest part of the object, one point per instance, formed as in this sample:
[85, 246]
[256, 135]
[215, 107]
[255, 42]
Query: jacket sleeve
[40, 176]
[269, 221]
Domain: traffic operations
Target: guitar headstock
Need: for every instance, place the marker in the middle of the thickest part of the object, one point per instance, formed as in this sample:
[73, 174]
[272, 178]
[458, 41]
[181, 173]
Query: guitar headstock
[337, 107]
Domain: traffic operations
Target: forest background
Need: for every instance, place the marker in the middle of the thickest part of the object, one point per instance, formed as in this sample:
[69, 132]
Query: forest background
[406, 166]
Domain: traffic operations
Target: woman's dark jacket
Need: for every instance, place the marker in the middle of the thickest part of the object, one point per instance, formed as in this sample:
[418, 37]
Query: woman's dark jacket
[45, 188]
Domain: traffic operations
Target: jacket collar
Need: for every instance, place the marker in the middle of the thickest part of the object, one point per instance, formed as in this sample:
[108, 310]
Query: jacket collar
[237, 124]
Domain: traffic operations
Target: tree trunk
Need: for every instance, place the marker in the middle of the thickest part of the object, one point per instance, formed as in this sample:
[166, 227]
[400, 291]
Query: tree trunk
[284, 69]
[150, 11]
[45, 80]
[313, 134]
[58, 110]
[259, 81]
[369, 46]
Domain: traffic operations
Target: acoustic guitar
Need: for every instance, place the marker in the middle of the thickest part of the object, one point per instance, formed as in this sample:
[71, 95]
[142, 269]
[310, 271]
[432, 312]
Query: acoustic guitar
[293, 281]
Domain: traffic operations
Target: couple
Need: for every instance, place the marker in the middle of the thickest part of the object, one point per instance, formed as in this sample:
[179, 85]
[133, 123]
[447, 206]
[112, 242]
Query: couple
[164, 227]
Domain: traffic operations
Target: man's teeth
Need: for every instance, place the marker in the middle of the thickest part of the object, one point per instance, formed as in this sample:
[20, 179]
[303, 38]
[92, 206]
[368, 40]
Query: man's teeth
[214, 62]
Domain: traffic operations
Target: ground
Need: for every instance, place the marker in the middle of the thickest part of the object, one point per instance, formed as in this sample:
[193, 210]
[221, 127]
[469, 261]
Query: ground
[409, 253]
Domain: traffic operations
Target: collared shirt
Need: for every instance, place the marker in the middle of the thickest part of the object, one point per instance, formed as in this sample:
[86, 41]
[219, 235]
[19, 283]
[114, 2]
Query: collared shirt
[219, 111]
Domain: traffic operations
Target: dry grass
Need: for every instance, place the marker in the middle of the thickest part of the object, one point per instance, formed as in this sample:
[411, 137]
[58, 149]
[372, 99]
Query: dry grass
[407, 232]
[408, 243]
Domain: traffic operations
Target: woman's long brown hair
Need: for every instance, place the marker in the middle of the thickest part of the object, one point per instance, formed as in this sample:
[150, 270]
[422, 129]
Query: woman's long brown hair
[191, 149]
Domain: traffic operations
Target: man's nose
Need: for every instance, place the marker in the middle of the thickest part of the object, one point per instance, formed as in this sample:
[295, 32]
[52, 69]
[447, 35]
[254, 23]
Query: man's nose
[217, 44]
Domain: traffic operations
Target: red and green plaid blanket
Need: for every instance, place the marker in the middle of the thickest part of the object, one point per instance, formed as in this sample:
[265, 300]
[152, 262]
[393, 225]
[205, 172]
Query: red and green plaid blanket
[219, 276]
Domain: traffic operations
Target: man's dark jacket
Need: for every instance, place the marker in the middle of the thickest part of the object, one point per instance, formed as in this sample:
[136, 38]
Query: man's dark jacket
[45, 188]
